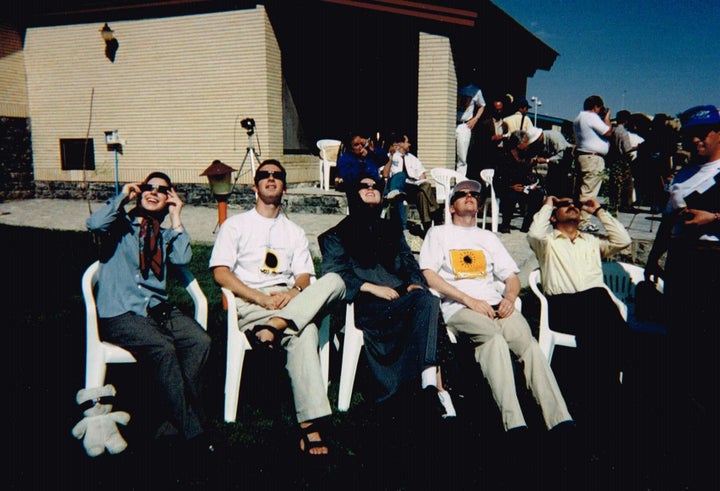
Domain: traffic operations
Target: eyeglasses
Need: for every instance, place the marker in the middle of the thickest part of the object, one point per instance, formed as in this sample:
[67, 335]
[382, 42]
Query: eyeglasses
[265, 174]
[464, 194]
[154, 187]
[564, 204]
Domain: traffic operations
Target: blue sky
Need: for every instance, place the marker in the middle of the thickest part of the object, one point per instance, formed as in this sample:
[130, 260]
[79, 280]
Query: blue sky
[645, 56]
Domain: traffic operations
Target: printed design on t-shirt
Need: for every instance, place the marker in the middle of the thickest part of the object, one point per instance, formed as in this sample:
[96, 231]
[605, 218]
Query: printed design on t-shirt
[271, 263]
[468, 263]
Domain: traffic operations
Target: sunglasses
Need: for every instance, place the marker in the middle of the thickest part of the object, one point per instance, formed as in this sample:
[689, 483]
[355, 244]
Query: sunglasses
[265, 174]
[464, 194]
[154, 187]
[369, 185]
[564, 204]
[700, 133]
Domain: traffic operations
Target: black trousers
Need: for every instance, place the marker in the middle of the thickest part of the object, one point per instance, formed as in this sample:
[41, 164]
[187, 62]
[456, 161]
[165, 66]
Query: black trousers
[173, 354]
[400, 336]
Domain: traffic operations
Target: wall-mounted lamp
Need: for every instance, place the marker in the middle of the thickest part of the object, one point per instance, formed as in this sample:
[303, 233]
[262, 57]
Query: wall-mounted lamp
[107, 33]
[111, 44]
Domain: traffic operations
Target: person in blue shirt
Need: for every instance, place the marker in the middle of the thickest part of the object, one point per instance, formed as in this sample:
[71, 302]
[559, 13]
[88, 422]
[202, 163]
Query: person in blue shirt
[132, 300]
[360, 157]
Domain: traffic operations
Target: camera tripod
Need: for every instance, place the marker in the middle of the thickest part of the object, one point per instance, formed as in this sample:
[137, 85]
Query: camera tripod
[254, 158]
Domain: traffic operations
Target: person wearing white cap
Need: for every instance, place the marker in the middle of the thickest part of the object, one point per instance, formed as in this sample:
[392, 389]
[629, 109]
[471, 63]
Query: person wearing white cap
[471, 105]
[551, 151]
[462, 263]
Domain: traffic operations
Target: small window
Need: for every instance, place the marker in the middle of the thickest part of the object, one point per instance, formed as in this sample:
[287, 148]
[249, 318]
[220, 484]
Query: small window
[77, 153]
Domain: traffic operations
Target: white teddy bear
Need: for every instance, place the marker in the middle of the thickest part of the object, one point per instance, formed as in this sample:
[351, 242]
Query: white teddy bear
[99, 424]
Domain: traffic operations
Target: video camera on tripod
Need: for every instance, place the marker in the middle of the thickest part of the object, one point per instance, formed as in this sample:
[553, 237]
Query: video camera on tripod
[249, 125]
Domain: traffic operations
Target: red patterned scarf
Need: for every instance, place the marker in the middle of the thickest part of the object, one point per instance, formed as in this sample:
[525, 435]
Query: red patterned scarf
[151, 256]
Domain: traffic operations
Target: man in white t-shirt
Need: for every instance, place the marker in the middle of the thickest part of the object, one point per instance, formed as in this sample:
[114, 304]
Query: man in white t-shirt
[264, 259]
[471, 105]
[592, 131]
[462, 263]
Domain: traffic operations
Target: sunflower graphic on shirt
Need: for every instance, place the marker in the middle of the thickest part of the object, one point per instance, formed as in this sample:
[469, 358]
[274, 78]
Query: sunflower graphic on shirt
[468, 263]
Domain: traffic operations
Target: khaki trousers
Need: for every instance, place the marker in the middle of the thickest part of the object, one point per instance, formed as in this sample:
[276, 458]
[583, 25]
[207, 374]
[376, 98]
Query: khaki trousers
[493, 340]
[591, 168]
[300, 342]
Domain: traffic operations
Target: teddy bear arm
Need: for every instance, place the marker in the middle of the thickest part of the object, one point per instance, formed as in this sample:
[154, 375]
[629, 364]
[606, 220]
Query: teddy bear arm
[80, 428]
[120, 417]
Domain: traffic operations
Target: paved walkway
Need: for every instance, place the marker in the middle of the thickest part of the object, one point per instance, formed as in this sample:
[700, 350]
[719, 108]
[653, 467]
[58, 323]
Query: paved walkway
[201, 223]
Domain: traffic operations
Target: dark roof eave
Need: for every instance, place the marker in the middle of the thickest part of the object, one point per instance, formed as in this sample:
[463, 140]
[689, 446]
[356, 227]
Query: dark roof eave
[542, 53]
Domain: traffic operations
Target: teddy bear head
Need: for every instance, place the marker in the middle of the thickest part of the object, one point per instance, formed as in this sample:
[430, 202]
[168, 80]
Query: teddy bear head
[94, 397]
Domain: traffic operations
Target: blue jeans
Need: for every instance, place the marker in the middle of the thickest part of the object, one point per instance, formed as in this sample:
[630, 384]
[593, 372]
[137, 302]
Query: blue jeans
[398, 182]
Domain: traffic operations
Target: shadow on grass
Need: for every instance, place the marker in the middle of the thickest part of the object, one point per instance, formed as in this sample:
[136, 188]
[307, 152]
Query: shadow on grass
[373, 448]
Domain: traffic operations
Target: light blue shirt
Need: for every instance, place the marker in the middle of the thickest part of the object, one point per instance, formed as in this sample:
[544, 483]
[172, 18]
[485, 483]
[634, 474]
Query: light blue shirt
[121, 286]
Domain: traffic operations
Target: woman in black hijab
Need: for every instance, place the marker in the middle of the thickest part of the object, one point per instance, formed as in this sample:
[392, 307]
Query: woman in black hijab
[393, 305]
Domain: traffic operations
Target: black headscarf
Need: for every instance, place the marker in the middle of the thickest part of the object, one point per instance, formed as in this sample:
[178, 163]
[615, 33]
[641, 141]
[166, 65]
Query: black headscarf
[369, 239]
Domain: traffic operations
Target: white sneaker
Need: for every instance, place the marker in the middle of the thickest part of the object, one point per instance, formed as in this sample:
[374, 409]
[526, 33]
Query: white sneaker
[395, 194]
[446, 401]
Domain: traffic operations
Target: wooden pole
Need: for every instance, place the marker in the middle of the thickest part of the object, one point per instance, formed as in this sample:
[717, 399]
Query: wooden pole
[222, 216]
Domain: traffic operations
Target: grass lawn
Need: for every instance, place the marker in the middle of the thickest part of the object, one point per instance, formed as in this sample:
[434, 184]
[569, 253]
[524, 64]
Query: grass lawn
[372, 447]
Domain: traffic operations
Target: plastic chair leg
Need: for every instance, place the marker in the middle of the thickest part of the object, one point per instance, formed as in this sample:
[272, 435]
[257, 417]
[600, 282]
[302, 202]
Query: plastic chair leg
[233, 376]
[94, 373]
[351, 354]
[324, 345]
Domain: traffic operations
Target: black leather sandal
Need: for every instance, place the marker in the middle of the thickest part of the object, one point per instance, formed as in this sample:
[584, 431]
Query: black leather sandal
[270, 345]
[320, 427]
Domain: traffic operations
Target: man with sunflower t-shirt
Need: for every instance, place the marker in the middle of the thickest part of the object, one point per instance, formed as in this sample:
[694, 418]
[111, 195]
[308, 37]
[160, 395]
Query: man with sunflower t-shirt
[462, 263]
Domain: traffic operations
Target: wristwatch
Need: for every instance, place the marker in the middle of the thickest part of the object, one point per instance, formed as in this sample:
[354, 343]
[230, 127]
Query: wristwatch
[298, 288]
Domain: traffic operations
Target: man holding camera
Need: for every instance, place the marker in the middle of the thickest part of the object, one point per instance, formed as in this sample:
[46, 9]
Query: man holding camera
[592, 132]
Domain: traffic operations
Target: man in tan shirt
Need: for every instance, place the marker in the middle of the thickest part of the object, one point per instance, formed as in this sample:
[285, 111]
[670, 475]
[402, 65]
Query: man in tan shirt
[580, 304]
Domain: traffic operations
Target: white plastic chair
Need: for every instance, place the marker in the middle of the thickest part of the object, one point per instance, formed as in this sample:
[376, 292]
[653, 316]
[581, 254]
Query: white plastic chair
[487, 175]
[237, 344]
[353, 343]
[547, 338]
[620, 280]
[100, 353]
[445, 179]
[329, 150]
